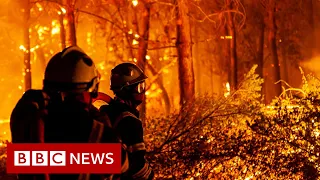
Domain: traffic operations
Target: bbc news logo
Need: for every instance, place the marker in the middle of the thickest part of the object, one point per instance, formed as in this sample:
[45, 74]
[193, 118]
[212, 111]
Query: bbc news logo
[64, 158]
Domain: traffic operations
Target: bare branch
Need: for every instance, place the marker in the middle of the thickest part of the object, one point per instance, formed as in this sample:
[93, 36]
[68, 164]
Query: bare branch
[156, 76]
[100, 17]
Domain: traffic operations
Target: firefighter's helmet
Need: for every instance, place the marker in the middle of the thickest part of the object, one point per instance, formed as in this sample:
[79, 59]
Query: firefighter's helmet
[71, 70]
[126, 75]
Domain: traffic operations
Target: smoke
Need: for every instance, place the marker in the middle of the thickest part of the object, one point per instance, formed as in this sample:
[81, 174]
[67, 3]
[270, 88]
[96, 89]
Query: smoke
[312, 65]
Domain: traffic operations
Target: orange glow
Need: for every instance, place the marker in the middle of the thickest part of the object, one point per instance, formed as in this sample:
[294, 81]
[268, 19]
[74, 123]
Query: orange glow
[134, 2]
[226, 94]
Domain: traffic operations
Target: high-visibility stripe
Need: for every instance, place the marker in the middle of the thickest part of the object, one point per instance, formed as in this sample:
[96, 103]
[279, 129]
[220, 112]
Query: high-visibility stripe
[123, 115]
[105, 118]
[95, 137]
[125, 165]
[144, 172]
[96, 132]
[137, 147]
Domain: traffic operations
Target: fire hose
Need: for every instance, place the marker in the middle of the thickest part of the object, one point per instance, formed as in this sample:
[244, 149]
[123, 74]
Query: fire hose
[103, 97]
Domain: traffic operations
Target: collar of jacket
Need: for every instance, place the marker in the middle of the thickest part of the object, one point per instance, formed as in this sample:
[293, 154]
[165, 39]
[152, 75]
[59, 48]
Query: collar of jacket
[126, 106]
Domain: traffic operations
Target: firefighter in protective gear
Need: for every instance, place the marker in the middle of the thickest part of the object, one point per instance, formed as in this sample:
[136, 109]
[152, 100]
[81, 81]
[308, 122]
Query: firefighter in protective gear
[128, 85]
[62, 111]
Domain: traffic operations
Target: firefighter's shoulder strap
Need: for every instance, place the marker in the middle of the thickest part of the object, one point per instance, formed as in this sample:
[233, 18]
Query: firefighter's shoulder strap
[122, 116]
[95, 137]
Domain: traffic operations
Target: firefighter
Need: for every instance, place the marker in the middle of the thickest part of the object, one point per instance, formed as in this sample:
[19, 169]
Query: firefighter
[128, 85]
[62, 111]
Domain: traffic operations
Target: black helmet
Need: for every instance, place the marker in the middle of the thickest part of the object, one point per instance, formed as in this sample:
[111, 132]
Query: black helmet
[71, 71]
[126, 74]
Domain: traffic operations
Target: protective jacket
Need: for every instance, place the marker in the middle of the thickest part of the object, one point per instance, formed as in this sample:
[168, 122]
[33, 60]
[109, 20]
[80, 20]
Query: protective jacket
[125, 120]
[38, 118]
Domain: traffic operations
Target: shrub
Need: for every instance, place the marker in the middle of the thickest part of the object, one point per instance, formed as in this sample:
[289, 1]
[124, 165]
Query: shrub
[238, 137]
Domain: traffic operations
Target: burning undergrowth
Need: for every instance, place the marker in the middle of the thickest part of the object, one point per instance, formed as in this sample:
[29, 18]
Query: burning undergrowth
[237, 137]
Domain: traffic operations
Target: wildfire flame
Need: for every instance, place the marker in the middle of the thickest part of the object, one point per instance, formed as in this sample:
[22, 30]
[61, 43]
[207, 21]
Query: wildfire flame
[134, 2]
[226, 94]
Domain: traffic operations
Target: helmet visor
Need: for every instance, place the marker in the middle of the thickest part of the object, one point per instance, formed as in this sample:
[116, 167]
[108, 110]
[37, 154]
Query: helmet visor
[137, 88]
[141, 87]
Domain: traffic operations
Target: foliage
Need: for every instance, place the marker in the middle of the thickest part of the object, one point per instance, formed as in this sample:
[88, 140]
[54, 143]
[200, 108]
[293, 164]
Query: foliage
[239, 138]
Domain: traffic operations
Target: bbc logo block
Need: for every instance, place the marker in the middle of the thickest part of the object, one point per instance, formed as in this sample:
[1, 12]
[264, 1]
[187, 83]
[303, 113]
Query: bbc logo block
[39, 158]
[57, 158]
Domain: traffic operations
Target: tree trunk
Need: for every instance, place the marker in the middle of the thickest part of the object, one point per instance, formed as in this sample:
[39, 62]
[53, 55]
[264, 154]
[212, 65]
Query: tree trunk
[275, 69]
[165, 94]
[225, 59]
[260, 52]
[233, 72]
[284, 65]
[62, 30]
[71, 28]
[312, 26]
[42, 58]
[183, 44]
[259, 59]
[197, 59]
[26, 41]
[143, 46]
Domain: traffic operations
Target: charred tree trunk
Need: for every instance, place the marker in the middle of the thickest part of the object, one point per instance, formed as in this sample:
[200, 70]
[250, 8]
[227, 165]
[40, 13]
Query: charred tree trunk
[42, 58]
[284, 65]
[183, 44]
[143, 46]
[62, 30]
[275, 69]
[312, 27]
[260, 52]
[26, 41]
[260, 56]
[197, 59]
[225, 59]
[260, 47]
[233, 77]
[71, 27]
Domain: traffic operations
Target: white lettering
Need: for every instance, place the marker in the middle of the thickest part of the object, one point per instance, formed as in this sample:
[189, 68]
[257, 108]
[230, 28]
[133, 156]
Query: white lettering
[73, 158]
[96, 158]
[109, 158]
[57, 158]
[85, 158]
[39, 158]
[22, 158]
[91, 158]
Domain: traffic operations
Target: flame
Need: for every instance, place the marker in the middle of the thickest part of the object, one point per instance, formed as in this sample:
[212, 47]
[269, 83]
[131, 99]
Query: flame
[135, 2]
[63, 10]
[135, 42]
[34, 48]
[228, 90]
[22, 48]
[40, 8]
[165, 57]
[225, 37]
[55, 27]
